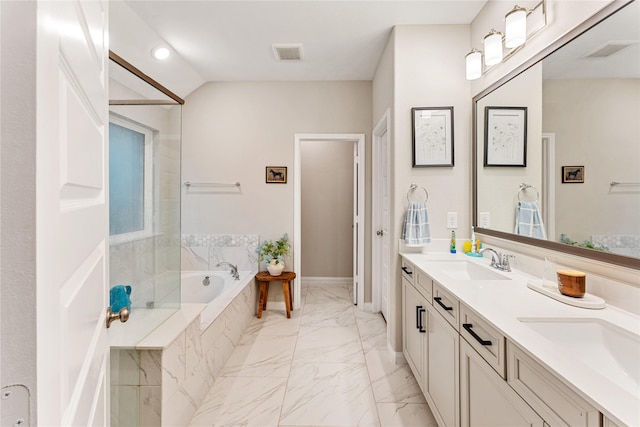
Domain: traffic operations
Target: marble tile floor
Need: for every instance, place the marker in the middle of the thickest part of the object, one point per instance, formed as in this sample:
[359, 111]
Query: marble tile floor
[325, 366]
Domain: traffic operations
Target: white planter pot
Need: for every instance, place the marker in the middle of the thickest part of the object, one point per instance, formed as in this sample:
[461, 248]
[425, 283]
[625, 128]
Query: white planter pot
[275, 269]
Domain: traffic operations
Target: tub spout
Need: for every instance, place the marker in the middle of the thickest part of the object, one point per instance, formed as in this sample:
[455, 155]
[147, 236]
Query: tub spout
[234, 269]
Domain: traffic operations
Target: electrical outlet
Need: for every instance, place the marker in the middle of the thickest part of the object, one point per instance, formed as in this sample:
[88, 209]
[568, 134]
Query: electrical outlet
[452, 219]
[484, 219]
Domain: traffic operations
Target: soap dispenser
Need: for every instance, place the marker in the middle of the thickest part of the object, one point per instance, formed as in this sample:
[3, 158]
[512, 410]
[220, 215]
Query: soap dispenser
[452, 246]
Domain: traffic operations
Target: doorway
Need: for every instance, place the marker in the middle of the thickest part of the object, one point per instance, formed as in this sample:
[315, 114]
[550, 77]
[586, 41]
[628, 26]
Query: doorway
[357, 141]
[381, 216]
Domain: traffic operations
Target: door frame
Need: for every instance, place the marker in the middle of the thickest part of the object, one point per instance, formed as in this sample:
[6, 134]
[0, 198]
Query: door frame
[359, 174]
[549, 183]
[384, 125]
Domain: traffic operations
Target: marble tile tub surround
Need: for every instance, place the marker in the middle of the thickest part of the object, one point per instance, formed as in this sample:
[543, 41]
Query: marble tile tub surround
[202, 252]
[166, 377]
[303, 372]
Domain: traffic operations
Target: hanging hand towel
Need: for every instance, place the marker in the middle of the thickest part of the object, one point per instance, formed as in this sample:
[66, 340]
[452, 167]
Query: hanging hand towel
[416, 231]
[529, 220]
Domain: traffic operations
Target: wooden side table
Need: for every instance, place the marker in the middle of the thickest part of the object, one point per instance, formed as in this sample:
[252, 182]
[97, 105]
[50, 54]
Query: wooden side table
[265, 279]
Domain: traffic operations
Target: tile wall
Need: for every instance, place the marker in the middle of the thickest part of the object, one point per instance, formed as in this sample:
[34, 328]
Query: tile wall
[202, 252]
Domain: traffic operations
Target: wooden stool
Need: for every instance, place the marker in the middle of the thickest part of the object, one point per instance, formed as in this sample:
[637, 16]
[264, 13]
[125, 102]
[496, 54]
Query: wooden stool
[264, 279]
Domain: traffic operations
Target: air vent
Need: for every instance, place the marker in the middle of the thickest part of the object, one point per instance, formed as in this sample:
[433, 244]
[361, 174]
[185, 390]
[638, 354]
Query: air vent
[287, 52]
[609, 49]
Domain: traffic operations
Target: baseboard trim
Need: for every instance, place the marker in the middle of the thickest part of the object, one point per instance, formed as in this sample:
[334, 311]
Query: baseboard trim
[327, 279]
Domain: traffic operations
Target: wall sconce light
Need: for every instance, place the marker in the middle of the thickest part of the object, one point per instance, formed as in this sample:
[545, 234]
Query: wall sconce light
[493, 48]
[514, 38]
[515, 27]
[474, 64]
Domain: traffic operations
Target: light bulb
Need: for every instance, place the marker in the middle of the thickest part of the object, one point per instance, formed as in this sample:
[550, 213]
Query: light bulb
[160, 53]
[493, 48]
[474, 64]
[516, 27]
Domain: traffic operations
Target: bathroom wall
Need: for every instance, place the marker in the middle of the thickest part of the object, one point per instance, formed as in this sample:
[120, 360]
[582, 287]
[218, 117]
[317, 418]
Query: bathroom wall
[597, 126]
[327, 209]
[233, 130]
[17, 197]
[427, 71]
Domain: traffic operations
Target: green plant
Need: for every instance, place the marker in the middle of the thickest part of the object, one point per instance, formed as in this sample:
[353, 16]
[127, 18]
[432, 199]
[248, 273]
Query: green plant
[268, 251]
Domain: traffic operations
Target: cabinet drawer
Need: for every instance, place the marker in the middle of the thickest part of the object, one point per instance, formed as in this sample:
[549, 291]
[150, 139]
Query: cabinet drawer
[446, 304]
[484, 338]
[408, 270]
[424, 284]
[556, 403]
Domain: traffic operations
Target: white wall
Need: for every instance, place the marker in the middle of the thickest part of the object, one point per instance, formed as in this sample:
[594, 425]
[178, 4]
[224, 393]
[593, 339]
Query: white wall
[327, 208]
[422, 67]
[233, 130]
[17, 196]
[596, 122]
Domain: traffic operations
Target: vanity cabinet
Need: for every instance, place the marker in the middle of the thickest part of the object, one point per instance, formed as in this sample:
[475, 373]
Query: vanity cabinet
[485, 397]
[442, 384]
[548, 396]
[414, 324]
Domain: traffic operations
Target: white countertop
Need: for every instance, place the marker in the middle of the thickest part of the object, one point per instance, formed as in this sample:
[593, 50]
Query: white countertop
[503, 302]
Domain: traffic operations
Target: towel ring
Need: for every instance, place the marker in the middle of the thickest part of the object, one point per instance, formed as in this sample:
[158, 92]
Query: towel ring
[524, 187]
[415, 187]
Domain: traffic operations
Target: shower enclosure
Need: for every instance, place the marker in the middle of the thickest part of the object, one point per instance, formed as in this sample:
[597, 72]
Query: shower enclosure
[144, 200]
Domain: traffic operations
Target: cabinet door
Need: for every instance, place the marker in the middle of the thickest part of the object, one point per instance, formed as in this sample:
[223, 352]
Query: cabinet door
[442, 365]
[486, 399]
[414, 328]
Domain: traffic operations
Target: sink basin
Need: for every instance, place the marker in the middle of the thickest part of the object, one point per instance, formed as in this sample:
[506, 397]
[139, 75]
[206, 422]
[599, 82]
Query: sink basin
[464, 270]
[612, 351]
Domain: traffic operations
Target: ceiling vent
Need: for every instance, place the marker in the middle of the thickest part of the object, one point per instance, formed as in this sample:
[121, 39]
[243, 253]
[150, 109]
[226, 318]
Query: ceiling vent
[287, 52]
[609, 49]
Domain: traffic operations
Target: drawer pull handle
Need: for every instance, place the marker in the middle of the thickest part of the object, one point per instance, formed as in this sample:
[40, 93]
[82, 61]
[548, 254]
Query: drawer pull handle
[418, 323]
[439, 301]
[469, 328]
[406, 270]
[421, 328]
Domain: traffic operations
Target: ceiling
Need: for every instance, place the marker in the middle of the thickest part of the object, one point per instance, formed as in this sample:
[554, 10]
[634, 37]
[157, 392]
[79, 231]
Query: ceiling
[231, 40]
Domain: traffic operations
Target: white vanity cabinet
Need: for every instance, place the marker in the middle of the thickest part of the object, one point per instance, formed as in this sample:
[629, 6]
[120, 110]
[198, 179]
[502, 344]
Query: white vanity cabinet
[442, 384]
[414, 323]
[548, 396]
[485, 397]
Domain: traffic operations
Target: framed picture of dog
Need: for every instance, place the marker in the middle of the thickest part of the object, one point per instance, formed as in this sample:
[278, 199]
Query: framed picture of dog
[572, 174]
[276, 175]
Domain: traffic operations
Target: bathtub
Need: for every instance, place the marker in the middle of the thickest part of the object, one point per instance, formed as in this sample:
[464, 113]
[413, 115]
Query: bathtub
[222, 289]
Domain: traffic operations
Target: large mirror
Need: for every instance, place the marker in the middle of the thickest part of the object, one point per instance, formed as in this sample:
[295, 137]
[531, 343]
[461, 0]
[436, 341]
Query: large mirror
[557, 145]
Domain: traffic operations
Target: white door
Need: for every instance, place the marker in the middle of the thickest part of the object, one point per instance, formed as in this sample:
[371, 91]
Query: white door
[381, 201]
[72, 213]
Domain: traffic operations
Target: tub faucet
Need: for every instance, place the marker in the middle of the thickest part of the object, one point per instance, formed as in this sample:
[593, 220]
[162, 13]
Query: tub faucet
[234, 269]
[498, 261]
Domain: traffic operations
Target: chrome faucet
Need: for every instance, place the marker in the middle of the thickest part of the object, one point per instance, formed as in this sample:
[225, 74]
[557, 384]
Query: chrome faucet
[499, 261]
[234, 269]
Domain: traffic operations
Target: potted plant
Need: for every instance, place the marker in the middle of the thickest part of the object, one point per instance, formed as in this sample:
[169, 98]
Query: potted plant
[272, 253]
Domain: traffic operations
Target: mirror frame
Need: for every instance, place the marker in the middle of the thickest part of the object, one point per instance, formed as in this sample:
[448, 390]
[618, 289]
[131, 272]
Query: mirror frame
[606, 257]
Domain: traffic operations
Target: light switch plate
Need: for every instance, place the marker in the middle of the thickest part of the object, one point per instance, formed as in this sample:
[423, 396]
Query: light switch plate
[484, 219]
[452, 219]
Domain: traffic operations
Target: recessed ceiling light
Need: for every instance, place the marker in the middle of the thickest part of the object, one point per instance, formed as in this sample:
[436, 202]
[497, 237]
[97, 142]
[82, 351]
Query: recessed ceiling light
[160, 53]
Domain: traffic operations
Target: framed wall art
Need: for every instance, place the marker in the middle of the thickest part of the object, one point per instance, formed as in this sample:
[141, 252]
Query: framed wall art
[276, 174]
[505, 136]
[432, 136]
[572, 174]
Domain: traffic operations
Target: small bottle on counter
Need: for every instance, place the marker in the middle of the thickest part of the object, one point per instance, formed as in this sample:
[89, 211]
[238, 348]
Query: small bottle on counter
[452, 246]
[474, 247]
